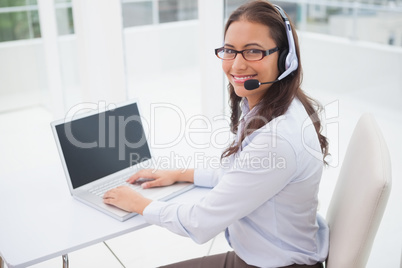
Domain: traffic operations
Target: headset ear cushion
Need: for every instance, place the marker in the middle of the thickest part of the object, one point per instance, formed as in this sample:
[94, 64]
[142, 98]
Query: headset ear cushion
[282, 60]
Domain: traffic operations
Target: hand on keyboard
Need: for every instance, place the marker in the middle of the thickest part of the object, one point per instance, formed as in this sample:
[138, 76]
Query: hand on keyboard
[126, 198]
[150, 178]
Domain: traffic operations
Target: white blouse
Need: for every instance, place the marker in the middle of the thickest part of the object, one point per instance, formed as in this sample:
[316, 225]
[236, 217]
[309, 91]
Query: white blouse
[264, 196]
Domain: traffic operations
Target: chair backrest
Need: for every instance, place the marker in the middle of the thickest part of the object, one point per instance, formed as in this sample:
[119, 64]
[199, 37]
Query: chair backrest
[360, 197]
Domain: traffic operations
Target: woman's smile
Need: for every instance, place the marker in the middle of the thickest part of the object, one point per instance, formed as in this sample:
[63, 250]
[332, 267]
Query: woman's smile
[240, 79]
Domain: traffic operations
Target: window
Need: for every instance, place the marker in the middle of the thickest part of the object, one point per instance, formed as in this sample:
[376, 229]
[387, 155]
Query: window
[137, 13]
[64, 17]
[140, 12]
[375, 21]
[19, 19]
[177, 10]
[159, 71]
[231, 5]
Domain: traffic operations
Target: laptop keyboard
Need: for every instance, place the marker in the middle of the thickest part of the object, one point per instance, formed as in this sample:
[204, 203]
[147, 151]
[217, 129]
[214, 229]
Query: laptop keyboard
[100, 190]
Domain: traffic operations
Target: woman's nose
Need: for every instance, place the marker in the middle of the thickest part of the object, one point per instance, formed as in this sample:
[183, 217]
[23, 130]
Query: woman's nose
[239, 63]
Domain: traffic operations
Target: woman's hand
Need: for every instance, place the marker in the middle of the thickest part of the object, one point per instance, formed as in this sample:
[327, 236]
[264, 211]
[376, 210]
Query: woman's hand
[127, 199]
[157, 178]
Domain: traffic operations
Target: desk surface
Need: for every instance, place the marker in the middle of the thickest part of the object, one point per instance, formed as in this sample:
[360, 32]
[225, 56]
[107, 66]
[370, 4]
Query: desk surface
[40, 220]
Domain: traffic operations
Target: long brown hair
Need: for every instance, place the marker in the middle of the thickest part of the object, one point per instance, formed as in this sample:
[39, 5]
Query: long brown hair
[279, 96]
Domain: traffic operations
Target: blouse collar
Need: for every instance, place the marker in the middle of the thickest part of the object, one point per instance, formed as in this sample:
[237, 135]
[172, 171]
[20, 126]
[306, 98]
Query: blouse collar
[245, 109]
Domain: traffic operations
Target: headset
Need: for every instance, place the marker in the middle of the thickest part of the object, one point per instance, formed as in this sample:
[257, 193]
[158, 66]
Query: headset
[287, 62]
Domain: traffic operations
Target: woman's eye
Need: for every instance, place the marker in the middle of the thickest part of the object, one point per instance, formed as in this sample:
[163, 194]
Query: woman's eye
[229, 51]
[253, 51]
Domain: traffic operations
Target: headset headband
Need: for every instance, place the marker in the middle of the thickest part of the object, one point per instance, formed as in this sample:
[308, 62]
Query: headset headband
[291, 62]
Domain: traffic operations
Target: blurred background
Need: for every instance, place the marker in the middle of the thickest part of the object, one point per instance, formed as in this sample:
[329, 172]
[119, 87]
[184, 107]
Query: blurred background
[58, 54]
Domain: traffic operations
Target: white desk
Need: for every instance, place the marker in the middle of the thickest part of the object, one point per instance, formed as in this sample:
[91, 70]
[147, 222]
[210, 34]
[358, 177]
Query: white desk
[40, 220]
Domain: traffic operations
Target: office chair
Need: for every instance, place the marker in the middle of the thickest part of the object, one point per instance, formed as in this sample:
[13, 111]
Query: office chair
[360, 197]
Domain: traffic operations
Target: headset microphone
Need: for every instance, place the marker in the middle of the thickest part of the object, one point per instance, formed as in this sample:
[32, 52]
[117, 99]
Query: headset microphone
[254, 83]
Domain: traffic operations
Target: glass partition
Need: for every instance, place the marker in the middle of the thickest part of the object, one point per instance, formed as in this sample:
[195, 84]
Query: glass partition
[161, 42]
[68, 52]
[364, 20]
[21, 53]
[146, 12]
[23, 70]
[137, 13]
[177, 10]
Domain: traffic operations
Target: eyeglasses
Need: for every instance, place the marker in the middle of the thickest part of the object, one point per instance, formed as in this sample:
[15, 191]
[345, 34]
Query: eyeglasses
[248, 54]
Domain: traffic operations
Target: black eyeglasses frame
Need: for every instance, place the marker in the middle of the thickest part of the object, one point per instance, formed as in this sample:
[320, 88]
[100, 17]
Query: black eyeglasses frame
[264, 52]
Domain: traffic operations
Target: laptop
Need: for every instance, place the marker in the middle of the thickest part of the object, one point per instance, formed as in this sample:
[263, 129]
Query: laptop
[101, 148]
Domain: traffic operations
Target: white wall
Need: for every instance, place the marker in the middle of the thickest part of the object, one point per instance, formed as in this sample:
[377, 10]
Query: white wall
[161, 47]
[376, 27]
[353, 78]
[148, 49]
[21, 67]
[330, 63]
[69, 61]
[339, 65]
[23, 73]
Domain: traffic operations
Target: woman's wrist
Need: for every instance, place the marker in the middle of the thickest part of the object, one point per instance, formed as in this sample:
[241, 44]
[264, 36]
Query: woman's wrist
[141, 205]
[177, 176]
[186, 175]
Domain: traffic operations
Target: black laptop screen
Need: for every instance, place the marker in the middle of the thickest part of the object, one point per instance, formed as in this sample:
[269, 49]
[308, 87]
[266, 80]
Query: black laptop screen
[102, 144]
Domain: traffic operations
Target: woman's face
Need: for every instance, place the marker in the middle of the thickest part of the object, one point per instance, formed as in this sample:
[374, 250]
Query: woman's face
[249, 35]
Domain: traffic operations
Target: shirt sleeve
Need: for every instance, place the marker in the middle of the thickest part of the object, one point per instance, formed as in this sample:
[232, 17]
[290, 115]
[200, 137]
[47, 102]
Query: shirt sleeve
[207, 177]
[259, 172]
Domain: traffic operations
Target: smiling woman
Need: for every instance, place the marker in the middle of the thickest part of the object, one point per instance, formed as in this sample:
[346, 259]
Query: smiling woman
[248, 35]
[264, 192]
[259, 27]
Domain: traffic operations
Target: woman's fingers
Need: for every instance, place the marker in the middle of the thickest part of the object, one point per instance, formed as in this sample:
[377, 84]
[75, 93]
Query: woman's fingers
[150, 178]
[127, 199]
[122, 197]
[154, 183]
[143, 174]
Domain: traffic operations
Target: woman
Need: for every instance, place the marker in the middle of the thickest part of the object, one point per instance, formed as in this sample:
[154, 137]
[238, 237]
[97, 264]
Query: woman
[265, 194]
